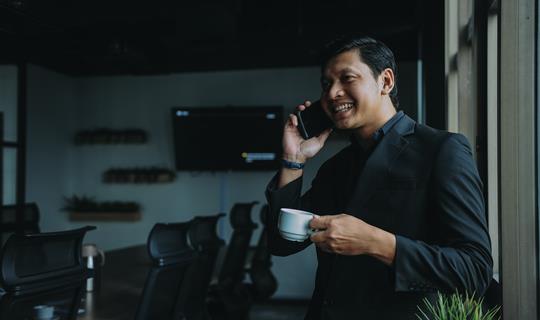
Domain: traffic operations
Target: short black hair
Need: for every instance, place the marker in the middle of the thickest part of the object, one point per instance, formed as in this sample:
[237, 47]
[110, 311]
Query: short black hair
[372, 52]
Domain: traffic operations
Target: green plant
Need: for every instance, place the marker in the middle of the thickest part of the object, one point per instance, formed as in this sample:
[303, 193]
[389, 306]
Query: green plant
[455, 307]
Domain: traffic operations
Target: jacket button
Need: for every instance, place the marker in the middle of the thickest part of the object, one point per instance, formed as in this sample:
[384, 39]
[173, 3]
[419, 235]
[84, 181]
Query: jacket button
[328, 302]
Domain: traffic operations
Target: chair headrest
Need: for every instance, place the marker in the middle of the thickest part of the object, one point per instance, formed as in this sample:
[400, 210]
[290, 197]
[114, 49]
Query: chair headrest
[202, 233]
[241, 216]
[29, 260]
[169, 242]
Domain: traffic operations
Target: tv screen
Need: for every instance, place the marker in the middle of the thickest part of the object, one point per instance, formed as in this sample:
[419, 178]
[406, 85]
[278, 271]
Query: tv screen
[227, 138]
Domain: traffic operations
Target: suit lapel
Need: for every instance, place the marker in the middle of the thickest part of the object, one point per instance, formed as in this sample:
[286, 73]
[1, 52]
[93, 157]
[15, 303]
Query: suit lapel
[379, 163]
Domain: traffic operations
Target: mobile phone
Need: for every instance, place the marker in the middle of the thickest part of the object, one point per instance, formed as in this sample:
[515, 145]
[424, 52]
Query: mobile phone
[313, 121]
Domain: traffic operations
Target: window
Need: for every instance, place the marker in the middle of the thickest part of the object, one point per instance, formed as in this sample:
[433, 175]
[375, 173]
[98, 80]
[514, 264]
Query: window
[8, 107]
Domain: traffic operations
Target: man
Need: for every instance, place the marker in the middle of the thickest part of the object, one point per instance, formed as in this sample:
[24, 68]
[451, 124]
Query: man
[400, 210]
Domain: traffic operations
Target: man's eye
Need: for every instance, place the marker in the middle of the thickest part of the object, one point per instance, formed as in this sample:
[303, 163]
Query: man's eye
[325, 85]
[348, 77]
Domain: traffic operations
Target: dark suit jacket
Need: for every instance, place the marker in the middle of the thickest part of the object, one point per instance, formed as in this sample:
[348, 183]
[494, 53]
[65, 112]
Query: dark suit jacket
[422, 185]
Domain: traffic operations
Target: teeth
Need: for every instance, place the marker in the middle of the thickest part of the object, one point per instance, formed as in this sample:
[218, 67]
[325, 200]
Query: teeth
[343, 107]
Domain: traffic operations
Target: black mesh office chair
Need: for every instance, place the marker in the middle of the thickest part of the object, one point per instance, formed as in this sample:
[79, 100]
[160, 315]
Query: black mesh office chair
[232, 270]
[203, 237]
[42, 269]
[166, 287]
[203, 233]
[264, 284]
[28, 222]
[230, 298]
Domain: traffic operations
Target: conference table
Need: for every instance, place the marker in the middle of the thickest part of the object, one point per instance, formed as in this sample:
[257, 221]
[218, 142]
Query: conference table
[121, 286]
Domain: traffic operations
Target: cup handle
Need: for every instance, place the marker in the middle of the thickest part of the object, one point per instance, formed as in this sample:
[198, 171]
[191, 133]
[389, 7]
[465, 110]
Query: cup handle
[102, 254]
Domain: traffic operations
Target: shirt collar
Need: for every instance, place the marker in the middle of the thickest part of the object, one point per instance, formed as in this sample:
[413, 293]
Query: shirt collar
[380, 133]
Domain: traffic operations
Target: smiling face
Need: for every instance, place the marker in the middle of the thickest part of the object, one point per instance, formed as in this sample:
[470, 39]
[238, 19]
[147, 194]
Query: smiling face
[353, 97]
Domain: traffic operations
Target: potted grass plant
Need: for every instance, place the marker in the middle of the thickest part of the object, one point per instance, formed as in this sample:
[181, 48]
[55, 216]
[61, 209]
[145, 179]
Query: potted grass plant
[456, 307]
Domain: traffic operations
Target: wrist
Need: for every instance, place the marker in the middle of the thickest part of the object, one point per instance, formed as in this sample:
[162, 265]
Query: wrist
[384, 247]
[294, 158]
[288, 175]
[293, 165]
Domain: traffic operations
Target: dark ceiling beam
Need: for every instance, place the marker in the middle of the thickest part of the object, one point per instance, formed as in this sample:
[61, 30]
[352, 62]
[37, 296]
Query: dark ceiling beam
[97, 37]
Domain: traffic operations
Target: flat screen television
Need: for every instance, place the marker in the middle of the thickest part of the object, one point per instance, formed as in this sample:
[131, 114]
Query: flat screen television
[227, 138]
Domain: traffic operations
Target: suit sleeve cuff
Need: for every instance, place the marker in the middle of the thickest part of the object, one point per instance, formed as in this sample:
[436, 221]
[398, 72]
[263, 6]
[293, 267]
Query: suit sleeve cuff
[399, 275]
[407, 277]
[287, 196]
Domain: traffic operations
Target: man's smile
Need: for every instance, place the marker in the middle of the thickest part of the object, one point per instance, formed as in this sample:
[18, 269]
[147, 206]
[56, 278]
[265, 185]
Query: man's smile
[342, 107]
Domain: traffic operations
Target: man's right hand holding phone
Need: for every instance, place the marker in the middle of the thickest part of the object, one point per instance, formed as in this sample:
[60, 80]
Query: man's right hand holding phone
[297, 150]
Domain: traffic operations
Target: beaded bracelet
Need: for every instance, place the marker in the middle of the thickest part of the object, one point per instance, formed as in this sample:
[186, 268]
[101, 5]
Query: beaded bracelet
[292, 165]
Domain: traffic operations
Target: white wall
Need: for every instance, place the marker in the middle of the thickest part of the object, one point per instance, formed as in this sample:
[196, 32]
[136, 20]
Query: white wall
[51, 107]
[59, 106]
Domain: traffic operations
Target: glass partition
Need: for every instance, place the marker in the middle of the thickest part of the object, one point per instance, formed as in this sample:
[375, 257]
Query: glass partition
[8, 100]
[8, 107]
[9, 176]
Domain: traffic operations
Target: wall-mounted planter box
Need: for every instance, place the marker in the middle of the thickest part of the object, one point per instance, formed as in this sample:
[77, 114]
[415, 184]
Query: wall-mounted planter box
[139, 175]
[105, 216]
[110, 136]
[85, 208]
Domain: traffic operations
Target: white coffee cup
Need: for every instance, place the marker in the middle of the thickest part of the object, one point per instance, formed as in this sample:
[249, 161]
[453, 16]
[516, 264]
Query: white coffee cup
[293, 224]
[43, 312]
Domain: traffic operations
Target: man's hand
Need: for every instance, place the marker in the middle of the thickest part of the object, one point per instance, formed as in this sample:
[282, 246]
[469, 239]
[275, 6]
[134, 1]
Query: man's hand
[347, 235]
[296, 149]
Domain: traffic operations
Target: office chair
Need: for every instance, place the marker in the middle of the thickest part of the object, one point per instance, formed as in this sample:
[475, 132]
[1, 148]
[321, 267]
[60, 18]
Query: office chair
[166, 284]
[184, 256]
[263, 282]
[232, 270]
[203, 237]
[202, 233]
[230, 298]
[42, 269]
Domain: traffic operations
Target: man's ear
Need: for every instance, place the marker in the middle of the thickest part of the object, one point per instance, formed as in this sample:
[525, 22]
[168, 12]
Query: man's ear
[387, 81]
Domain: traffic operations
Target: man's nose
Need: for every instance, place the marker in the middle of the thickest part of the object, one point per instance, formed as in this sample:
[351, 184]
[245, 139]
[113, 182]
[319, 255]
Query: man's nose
[336, 91]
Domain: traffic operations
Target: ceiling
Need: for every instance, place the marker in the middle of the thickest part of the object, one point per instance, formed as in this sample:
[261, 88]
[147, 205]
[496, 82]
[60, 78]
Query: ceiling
[83, 37]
